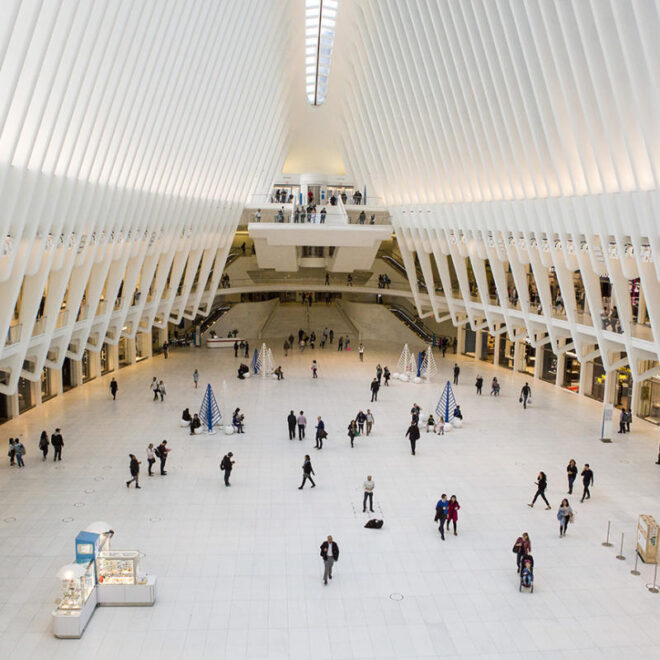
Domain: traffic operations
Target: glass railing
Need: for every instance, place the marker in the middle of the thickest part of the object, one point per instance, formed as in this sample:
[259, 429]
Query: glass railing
[39, 326]
[14, 333]
[62, 318]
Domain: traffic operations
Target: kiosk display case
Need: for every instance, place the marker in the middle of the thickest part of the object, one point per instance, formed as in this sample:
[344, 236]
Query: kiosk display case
[77, 600]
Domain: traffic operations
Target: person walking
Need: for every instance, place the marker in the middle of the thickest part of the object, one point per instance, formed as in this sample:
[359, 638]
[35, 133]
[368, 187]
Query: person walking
[44, 444]
[457, 370]
[413, 434]
[331, 334]
[12, 452]
[369, 421]
[154, 387]
[564, 516]
[166, 350]
[113, 388]
[525, 393]
[227, 465]
[134, 467]
[196, 378]
[320, 432]
[58, 442]
[329, 554]
[161, 390]
[479, 383]
[340, 344]
[571, 470]
[315, 369]
[629, 417]
[541, 485]
[441, 511]
[360, 418]
[369, 486]
[308, 471]
[439, 427]
[522, 547]
[587, 480]
[494, 387]
[236, 348]
[291, 421]
[386, 376]
[162, 451]
[151, 458]
[375, 386]
[352, 431]
[452, 513]
[379, 373]
[19, 449]
[361, 352]
[247, 349]
[302, 423]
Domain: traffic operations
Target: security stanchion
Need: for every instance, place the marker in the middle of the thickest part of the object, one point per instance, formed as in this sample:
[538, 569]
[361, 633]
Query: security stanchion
[607, 543]
[653, 588]
[620, 555]
[634, 570]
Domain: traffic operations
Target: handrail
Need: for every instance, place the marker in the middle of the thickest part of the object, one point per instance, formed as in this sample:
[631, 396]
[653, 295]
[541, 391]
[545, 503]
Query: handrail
[213, 317]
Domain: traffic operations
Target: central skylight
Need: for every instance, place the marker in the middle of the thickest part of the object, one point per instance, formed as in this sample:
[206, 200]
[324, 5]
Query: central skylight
[320, 20]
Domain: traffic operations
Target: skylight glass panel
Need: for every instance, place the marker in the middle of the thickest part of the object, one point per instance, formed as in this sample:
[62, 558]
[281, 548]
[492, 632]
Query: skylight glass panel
[320, 20]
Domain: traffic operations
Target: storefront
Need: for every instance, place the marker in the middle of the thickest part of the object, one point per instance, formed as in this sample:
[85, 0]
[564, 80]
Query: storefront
[571, 377]
[68, 377]
[623, 388]
[470, 341]
[649, 401]
[597, 381]
[46, 385]
[86, 366]
[487, 347]
[140, 342]
[5, 404]
[123, 354]
[507, 351]
[105, 360]
[25, 400]
[549, 365]
[529, 358]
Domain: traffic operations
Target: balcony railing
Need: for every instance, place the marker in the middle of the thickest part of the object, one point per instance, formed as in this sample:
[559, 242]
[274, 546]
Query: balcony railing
[14, 334]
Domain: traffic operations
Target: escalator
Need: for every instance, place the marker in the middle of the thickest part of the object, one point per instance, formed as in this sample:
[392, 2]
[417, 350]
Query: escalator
[415, 325]
[397, 265]
[214, 316]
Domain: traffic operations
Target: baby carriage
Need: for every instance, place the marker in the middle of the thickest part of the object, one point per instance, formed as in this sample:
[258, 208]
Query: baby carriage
[527, 573]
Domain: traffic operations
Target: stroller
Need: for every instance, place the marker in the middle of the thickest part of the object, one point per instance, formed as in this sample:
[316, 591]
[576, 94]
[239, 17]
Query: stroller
[527, 573]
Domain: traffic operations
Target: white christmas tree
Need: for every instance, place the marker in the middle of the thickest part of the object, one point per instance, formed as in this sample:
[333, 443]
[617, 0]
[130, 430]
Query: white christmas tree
[270, 363]
[404, 360]
[265, 361]
[411, 366]
[429, 367]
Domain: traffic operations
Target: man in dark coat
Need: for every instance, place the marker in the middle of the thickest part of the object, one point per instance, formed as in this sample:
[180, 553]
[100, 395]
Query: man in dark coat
[413, 434]
[58, 442]
[329, 554]
[292, 421]
[226, 465]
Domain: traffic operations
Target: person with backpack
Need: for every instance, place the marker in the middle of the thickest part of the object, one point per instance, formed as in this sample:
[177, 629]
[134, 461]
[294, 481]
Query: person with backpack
[541, 485]
[161, 452]
[522, 547]
[44, 444]
[479, 383]
[587, 480]
[58, 442]
[386, 376]
[19, 448]
[151, 457]
[525, 393]
[413, 434]
[308, 471]
[227, 465]
[441, 511]
[352, 431]
[134, 467]
[321, 433]
[113, 388]
[360, 418]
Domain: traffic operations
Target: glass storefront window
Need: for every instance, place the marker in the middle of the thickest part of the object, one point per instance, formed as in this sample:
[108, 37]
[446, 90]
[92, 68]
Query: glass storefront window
[623, 388]
[25, 401]
[123, 352]
[649, 401]
[549, 367]
[105, 359]
[470, 341]
[597, 380]
[571, 380]
[488, 347]
[46, 390]
[68, 381]
[86, 367]
[529, 359]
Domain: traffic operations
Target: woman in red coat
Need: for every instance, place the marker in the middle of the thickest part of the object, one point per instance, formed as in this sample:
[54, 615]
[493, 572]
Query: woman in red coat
[452, 513]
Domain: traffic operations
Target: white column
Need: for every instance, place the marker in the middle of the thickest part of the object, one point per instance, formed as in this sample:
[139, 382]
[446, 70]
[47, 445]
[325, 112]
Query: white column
[460, 339]
[561, 365]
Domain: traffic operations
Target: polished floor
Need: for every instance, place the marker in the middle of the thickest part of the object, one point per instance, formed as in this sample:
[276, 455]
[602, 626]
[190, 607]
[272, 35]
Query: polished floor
[239, 568]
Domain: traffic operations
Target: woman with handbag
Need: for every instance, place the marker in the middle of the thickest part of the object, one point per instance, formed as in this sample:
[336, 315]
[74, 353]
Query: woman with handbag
[564, 516]
[352, 431]
[452, 513]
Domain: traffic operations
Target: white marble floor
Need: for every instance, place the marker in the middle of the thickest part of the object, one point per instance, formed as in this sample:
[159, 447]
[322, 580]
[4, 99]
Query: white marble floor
[239, 568]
